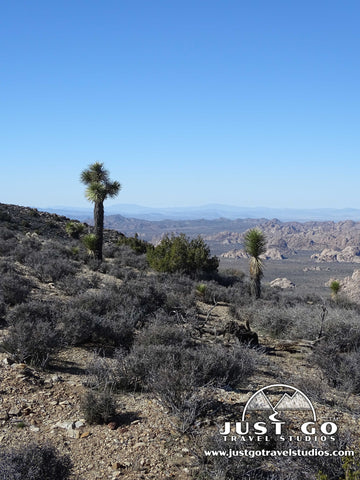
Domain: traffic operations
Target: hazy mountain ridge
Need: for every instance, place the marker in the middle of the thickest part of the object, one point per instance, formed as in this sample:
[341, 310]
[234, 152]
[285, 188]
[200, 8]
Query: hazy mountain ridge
[212, 212]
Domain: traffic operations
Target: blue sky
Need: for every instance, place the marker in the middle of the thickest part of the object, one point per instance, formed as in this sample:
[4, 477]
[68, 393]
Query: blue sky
[236, 102]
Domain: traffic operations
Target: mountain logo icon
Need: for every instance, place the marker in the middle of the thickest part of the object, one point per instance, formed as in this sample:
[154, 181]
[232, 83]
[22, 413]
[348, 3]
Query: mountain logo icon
[291, 399]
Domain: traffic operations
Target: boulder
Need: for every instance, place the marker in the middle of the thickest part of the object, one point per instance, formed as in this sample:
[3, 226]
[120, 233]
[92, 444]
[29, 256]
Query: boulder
[282, 283]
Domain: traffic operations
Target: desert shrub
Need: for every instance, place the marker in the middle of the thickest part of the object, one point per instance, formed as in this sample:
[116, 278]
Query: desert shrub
[50, 263]
[287, 322]
[26, 247]
[77, 325]
[109, 250]
[98, 407]
[179, 377]
[341, 370]
[112, 313]
[229, 277]
[126, 257]
[135, 243]
[33, 334]
[74, 285]
[222, 366]
[162, 331]
[180, 254]
[7, 246]
[14, 288]
[4, 215]
[93, 264]
[2, 309]
[143, 293]
[179, 395]
[98, 302]
[6, 233]
[34, 462]
[74, 229]
[342, 331]
[51, 269]
[214, 292]
[214, 365]
[99, 316]
[100, 374]
[179, 291]
[117, 328]
[7, 266]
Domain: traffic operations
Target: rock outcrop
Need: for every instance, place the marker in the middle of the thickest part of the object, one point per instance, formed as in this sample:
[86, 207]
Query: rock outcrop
[270, 254]
[282, 283]
[350, 286]
[348, 254]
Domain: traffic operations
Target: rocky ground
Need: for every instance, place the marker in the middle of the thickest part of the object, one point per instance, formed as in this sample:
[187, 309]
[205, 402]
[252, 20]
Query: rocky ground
[43, 406]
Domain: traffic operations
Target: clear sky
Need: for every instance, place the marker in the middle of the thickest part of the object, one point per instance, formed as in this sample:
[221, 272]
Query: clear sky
[187, 102]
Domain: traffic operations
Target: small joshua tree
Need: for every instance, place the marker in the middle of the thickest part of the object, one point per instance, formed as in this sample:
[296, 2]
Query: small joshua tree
[335, 288]
[99, 188]
[255, 245]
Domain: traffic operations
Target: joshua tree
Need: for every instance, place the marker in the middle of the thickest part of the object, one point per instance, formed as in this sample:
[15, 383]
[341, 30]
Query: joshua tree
[255, 245]
[99, 187]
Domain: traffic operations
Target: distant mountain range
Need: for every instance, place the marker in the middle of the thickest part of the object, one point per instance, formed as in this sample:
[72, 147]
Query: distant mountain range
[211, 212]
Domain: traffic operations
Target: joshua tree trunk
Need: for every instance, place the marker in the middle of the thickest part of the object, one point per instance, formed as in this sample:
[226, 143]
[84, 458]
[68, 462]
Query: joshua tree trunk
[99, 228]
[256, 286]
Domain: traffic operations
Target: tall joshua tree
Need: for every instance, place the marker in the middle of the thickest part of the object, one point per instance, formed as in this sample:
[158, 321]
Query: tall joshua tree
[255, 245]
[99, 188]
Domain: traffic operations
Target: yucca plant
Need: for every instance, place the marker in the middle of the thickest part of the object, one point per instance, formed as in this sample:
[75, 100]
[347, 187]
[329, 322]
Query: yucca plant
[74, 229]
[99, 188]
[335, 288]
[255, 246]
[90, 242]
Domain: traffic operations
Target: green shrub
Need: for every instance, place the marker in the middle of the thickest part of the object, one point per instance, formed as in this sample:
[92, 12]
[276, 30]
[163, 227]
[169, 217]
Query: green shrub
[180, 254]
[201, 289]
[74, 229]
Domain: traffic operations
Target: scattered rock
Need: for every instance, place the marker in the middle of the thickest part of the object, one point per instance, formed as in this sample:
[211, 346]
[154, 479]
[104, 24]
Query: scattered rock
[69, 425]
[8, 361]
[15, 410]
[4, 415]
[282, 283]
[19, 366]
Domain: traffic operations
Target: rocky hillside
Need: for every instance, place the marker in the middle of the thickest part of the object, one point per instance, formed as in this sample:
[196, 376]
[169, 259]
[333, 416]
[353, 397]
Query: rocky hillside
[224, 235]
[123, 372]
[292, 236]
